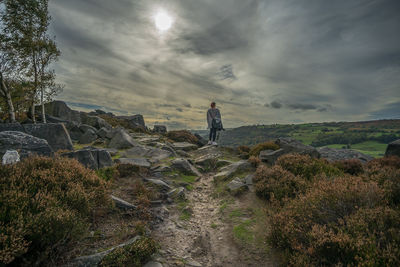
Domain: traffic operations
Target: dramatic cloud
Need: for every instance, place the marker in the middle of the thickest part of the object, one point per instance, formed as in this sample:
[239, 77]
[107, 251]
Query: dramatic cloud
[308, 60]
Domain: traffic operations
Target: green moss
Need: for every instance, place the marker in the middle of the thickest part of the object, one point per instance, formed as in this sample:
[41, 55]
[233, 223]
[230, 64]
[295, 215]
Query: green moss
[214, 226]
[243, 232]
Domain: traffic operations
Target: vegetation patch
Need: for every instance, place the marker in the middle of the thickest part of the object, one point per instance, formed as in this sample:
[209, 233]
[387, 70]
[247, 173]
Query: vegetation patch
[243, 232]
[45, 203]
[183, 136]
[255, 150]
[135, 254]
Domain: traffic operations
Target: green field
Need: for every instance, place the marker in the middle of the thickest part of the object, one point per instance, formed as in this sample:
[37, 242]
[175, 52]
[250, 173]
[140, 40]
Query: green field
[369, 137]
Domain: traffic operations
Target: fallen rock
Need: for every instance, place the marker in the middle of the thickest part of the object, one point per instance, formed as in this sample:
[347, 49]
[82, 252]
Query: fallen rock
[184, 146]
[152, 153]
[88, 137]
[233, 169]
[184, 167]
[333, 154]
[393, 149]
[24, 143]
[140, 162]
[122, 204]
[10, 157]
[122, 140]
[236, 186]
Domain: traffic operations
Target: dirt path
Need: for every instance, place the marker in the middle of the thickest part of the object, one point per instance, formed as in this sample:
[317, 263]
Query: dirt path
[202, 240]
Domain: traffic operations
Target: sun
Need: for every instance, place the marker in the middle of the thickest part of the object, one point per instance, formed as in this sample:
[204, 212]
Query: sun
[163, 21]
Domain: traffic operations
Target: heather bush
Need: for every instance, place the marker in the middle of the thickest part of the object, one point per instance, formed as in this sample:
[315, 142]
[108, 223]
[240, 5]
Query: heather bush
[350, 166]
[341, 221]
[183, 136]
[135, 254]
[306, 166]
[44, 204]
[254, 161]
[255, 150]
[243, 152]
[277, 183]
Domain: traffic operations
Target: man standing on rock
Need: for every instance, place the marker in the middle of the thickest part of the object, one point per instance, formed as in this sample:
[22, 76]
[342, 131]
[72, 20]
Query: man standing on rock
[214, 123]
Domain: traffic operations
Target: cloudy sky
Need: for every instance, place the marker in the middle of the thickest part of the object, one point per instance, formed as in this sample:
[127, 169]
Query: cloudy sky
[262, 61]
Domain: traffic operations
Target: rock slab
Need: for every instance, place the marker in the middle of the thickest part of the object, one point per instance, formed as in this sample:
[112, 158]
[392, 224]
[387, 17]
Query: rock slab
[393, 149]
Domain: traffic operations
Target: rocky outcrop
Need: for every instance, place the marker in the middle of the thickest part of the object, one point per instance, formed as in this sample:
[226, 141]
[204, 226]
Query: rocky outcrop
[24, 143]
[393, 149]
[88, 137]
[15, 127]
[270, 156]
[333, 154]
[94, 121]
[134, 121]
[140, 162]
[122, 140]
[161, 129]
[54, 133]
[153, 154]
[183, 166]
[290, 145]
[91, 158]
[60, 110]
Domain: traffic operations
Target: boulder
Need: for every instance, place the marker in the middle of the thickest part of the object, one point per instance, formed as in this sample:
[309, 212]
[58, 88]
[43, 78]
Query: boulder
[85, 127]
[55, 134]
[91, 158]
[184, 167]
[10, 157]
[24, 143]
[60, 110]
[236, 186]
[270, 156]
[94, 121]
[393, 149]
[74, 131]
[185, 146]
[140, 162]
[15, 127]
[333, 154]
[88, 137]
[134, 121]
[290, 145]
[103, 132]
[161, 129]
[85, 157]
[164, 186]
[52, 119]
[202, 141]
[122, 140]
[233, 169]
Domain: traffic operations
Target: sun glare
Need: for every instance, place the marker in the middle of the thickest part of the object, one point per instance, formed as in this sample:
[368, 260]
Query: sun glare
[163, 21]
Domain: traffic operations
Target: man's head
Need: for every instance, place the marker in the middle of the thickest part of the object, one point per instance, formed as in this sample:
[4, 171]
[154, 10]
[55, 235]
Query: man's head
[213, 104]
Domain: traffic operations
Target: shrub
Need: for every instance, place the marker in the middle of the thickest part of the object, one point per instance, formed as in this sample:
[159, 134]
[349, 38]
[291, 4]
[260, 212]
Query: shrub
[338, 222]
[350, 166]
[277, 183]
[44, 203]
[254, 161]
[126, 170]
[255, 150]
[108, 173]
[392, 162]
[306, 166]
[135, 254]
[183, 136]
[243, 152]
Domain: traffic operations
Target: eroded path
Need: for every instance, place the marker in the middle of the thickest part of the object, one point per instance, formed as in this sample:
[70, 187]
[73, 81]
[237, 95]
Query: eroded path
[202, 239]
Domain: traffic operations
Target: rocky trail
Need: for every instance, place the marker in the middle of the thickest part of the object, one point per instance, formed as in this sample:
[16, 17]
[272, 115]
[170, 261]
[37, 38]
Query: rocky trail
[203, 240]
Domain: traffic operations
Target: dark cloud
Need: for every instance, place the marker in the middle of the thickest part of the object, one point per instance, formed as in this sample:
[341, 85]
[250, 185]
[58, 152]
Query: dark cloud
[276, 104]
[305, 55]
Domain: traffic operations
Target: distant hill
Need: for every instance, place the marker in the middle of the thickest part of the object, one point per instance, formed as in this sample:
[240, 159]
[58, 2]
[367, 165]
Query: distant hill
[370, 137]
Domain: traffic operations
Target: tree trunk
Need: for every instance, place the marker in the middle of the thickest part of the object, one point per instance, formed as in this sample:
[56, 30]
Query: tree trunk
[42, 104]
[7, 96]
[33, 112]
